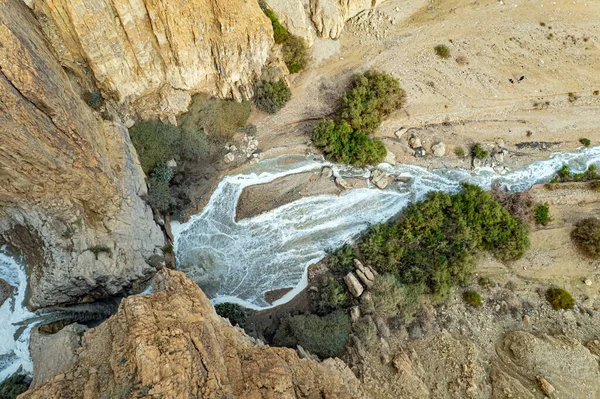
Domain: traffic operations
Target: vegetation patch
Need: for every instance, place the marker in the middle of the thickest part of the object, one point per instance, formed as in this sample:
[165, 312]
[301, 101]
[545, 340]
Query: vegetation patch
[472, 299]
[323, 336]
[564, 174]
[342, 144]
[295, 54]
[459, 152]
[332, 296]
[155, 143]
[542, 214]
[232, 311]
[587, 236]
[341, 262]
[280, 34]
[520, 205]
[559, 298]
[271, 96]
[433, 243]
[442, 51]
[14, 385]
[585, 142]
[478, 152]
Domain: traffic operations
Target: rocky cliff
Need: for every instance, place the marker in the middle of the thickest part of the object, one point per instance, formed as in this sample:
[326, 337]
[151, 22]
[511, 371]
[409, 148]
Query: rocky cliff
[172, 344]
[153, 54]
[70, 183]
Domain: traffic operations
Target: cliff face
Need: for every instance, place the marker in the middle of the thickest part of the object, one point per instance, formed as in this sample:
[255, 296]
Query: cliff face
[70, 183]
[157, 50]
[172, 344]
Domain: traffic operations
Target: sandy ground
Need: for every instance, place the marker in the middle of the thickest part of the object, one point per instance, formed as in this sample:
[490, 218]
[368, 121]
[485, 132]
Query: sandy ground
[464, 101]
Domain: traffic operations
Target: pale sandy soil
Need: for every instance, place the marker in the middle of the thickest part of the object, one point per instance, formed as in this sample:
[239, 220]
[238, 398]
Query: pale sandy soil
[462, 104]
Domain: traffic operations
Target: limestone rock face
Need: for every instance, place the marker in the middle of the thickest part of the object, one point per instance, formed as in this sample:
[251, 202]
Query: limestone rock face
[172, 344]
[330, 16]
[70, 183]
[151, 48]
[293, 15]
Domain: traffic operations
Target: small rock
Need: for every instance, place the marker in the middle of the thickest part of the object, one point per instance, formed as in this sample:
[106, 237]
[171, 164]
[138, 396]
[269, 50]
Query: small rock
[499, 157]
[312, 288]
[171, 163]
[382, 327]
[367, 306]
[545, 386]
[390, 158]
[364, 279]
[380, 179]
[525, 319]
[367, 271]
[342, 183]
[400, 132]
[355, 313]
[439, 150]
[420, 152]
[354, 286]
[232, 148]
[326, 172]
[587, 281]
[414, 142]
[229, 157]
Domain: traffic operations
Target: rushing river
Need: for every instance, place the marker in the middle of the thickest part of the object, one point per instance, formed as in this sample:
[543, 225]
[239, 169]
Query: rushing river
[241, 261]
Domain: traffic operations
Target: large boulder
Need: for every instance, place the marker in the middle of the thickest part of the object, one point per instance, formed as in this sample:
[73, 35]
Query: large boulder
[354, 286]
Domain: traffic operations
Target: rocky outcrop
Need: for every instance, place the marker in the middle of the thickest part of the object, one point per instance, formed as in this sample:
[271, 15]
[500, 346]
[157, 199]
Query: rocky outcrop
[172, 344]
[153, 54]
[330, 16]
[70, 183]
[5, 291]
[293, 15]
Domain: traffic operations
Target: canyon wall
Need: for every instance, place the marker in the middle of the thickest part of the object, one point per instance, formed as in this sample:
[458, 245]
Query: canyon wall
[172, 344]
[70, 182]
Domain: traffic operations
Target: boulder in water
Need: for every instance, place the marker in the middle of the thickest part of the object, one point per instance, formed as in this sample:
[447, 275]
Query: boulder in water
[6, 291]
[380, 179]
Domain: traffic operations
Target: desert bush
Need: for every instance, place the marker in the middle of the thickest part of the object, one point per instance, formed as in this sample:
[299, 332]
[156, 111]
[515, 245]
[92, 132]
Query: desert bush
[159, 195]
[472, 299]
[331, 297]
[587, 236]
[324, 336]
[155, 143]
[341, 261]
[585, 142]
[387, 295]
[232, 311]
[295, 54]
[271, 96]
[365, 329]
[280, 34]
[564, 172]
[193, 146]
[459, 152]
[542, 214]
[520, 205]
[340, 143]
[14, 385]
[559, 298]
[433, 243]
[372, 96]
[94, 99]
[442, 51]
[478, 152]
[214, 117]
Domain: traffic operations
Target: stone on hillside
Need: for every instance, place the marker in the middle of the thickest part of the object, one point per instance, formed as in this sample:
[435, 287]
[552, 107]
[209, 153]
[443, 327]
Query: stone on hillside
[380, 179]
[366, 303]
[354, 286]
[400, 132]
[355, 313]
[390, 158]
[171, 163]
[342, 183]
[414, 142]
[439, 150]
[420, 152]
[229, 157]
[545, 386]
[327, 172]
[382, 327]
[363, 278]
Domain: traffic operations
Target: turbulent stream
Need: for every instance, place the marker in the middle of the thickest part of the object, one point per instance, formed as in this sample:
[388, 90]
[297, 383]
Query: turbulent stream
[241, 261]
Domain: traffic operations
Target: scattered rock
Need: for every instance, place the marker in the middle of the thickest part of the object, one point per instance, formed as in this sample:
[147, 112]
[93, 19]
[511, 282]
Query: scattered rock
[249, 146]
[172, 163]
[439, 150]
[545, 386]
[380, 179]
[499, 157]
[390, 158]
[400, 132]
[304, 354]
[327, 172]
[420, 152]
[365, 274]
[355, 313]
[229, 157]
[343, 184]
[354, 286]
[5, 291]
[587, 281]
[414, 142]
[382, 327]
[366, 303]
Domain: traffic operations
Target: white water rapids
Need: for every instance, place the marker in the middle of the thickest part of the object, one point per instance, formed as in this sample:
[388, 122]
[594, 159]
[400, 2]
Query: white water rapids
[240, 261]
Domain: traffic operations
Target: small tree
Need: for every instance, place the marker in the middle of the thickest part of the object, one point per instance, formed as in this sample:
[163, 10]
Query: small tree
[295, 54]
[272, 96]
[542, 214]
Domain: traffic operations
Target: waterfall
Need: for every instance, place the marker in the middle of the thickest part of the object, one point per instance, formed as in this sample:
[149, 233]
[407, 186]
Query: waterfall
[241, 261]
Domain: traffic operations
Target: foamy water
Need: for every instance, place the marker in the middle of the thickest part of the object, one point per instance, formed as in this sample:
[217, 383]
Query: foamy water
[241, 261]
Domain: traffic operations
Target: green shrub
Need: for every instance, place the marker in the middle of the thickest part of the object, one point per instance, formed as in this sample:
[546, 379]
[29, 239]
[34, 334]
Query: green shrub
[215, 117]
[372, 96]
[159, 195]
[155, 143]
[472, 299]
[433, 243]
[193, 146]
[478, 152]
[295, 54]
[366, 330]
[14, 385]
[595, 185]
[324, 336]
[340, 143]
[271, 96]
[542, 214]
[587, 236]
[162, 173]
[94, 99]
[565, 172]
[341, 262]
[559, 298]
[459, 152]
[280, 34]
[387, 295]
[232, 311]
[585, 142]
[442, 51]
[332, 296]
